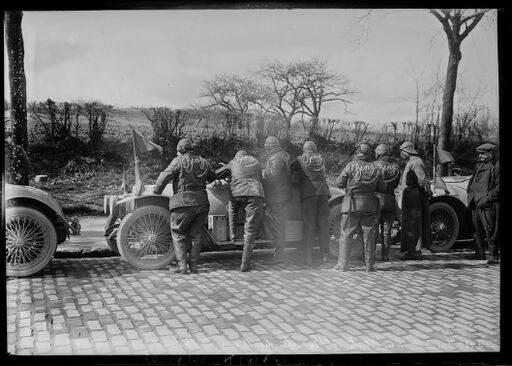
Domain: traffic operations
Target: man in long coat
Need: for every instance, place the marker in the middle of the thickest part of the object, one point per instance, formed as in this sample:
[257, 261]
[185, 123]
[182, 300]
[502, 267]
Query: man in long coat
[483, 197]
[189, 204]
[314, 197]
[277, 186]
[387, 200]
[360, 206]
[415, 226]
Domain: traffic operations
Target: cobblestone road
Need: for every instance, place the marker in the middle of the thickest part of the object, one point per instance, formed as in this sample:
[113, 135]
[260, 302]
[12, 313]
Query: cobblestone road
[105, 306]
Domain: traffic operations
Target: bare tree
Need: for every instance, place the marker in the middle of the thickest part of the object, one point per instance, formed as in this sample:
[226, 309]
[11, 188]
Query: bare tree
[457, 24]
[17, 81]
[97, 115]
[233, 93]
[281, 91]
[319, 85]
[55, 118]
[167, 124]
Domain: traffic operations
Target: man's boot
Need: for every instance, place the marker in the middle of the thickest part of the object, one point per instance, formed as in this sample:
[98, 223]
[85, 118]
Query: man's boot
[181, 258]
[246, 258]
[369, 256]
[343, 254]
[495, 258]
[194, 256]
[232, 220]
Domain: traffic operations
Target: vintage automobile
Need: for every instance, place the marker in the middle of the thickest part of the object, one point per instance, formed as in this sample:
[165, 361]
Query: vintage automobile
[34, 226]
[137, 227]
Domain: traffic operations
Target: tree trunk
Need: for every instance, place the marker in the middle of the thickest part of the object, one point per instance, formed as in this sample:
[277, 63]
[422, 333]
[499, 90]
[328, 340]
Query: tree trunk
[445, 128]
[17, 82]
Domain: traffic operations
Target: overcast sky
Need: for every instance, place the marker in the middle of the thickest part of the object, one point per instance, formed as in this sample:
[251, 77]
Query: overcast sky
[161, 57]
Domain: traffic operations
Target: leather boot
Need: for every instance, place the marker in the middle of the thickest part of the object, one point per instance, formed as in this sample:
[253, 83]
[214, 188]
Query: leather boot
[369, 255]
[194, 256]
[343, 254]
[232, 221]
[181, 258]
[246, 258]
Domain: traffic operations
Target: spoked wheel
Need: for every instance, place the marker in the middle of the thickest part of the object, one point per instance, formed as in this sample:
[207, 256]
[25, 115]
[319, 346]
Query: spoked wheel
[111, 223]
[444, 226]
[334, 229]
[144, 238]
[31, 241]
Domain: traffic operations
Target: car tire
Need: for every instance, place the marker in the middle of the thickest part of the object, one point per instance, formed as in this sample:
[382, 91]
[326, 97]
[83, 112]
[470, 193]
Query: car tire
[24, 258]
[444, 226]
[334, 229]
[112, 243]
[144, 238]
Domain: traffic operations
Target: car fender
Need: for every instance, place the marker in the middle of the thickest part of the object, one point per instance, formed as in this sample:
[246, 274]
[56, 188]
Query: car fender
[17, 195]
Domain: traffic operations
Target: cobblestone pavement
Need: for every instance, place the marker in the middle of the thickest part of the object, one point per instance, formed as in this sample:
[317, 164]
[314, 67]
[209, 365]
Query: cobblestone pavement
[106, 306]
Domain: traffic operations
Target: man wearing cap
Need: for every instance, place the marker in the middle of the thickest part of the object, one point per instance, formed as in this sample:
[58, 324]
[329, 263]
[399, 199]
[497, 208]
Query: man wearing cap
[415, 189]
[314, 196]
[360, 206]
[277, 186]
[17, 165]
[189, 204]
[387, 202]
[247, 192]
[483, 198]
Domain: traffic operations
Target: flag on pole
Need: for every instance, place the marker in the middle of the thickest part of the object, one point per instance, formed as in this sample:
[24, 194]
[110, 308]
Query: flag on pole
[140, 146]
[444, 156]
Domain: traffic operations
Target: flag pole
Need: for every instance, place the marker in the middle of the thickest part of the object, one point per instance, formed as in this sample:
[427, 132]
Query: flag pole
[138, 181]
[434, 152]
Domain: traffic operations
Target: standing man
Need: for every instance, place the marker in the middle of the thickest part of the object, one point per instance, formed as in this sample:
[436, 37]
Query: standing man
[17, 165]
[247, 191]
[277, 186]
[415, 228]
[483, 197]
[387, 202]
[189, 204]
[314, 196]
[360, 206]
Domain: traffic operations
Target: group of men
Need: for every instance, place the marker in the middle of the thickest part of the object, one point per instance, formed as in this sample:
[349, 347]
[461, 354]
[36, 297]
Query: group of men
[369, 201]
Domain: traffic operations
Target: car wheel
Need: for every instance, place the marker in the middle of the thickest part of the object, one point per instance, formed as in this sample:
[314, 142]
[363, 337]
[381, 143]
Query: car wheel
[144, 238]
[444, 226]
[31, 241]
[334, 229]
[111, 221]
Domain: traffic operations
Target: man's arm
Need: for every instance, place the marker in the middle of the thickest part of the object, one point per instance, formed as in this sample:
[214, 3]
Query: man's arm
[494, 193]
[341, 181]
[167, 175]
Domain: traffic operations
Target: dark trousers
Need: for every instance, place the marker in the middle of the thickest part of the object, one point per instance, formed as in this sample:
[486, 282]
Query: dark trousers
[356, 223]
[485, 223]
[315, 222]
[253, 214]
[386, 223]
[275, 219]
[186, 228]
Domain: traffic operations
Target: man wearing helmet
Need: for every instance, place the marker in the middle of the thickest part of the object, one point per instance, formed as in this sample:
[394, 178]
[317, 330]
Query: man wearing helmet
[415, 227]
[360, 206]
[483, 197]
[189, 205]
[388, 209]
[277, 186]
[314, 197]
[247, 192]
